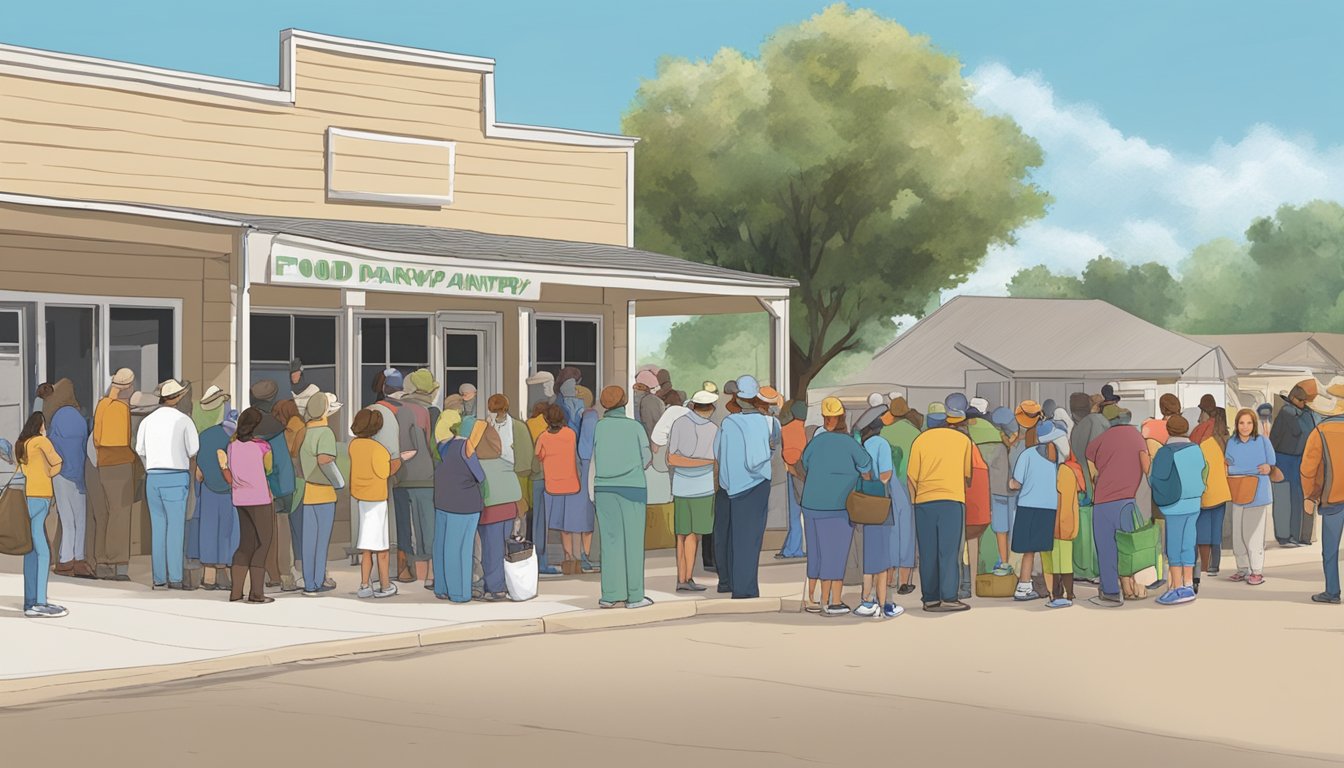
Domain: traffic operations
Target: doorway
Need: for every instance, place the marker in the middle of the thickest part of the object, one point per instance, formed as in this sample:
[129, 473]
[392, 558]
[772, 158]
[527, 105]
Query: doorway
[468, 353]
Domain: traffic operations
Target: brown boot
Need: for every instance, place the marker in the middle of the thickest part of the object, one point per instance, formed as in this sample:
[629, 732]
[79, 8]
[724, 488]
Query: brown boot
[83, 570]
[66, 568]
[404, 573]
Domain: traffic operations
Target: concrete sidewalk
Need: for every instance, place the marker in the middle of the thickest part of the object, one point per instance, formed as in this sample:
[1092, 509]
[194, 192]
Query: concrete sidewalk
[121, 633]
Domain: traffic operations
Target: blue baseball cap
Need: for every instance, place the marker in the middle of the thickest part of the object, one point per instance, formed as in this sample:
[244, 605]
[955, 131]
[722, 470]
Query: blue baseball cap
[935, 420]
[956, 402]
[394, 378]
[748, 388]
[1002, 417]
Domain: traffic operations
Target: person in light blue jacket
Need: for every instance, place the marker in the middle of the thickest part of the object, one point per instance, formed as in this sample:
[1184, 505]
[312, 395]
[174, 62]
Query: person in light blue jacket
[744, 447]
[1179, 476]
[1250, 454]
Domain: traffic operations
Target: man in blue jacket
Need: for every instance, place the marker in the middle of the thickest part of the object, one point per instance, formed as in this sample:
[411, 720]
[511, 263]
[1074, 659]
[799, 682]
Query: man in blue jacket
[1178, 479]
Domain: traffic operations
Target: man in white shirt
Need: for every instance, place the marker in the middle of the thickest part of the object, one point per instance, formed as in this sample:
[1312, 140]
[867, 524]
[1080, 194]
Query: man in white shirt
[166, 443]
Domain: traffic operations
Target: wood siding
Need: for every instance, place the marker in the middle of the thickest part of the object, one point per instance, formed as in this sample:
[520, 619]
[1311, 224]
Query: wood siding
[163, 147]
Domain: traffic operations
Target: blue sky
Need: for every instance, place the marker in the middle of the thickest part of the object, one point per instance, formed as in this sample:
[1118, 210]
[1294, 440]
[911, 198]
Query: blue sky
[1164, 124]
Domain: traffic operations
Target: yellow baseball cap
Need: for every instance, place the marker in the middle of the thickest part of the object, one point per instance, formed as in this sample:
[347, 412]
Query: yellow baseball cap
[832, 406]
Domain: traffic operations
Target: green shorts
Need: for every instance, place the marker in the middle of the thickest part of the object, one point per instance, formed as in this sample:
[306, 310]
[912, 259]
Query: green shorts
[693, 516]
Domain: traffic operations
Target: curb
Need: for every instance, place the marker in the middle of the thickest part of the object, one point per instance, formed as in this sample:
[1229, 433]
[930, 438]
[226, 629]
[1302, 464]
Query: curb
[32, 690]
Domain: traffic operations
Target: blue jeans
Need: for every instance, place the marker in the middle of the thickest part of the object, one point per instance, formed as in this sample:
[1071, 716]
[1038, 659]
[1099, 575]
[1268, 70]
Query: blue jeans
[1181, 540]
[37, 563]
[1107, 519]
[492, 554]
[166, 492]
[746, 533]
[723, 546]
[938, 527]
[1300, 527]
[401, 501]
[317, 520]
[454, 537]
[1332, 526]
[793, 542]
[540, 521]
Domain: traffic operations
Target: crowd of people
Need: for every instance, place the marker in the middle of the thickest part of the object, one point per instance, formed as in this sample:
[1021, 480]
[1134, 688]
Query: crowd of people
[1034, 496]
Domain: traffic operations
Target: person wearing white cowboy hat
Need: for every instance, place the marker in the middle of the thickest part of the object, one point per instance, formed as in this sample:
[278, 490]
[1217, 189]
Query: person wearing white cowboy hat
[213, 533]
[1323, 492]
[322, 480]
[166, 443]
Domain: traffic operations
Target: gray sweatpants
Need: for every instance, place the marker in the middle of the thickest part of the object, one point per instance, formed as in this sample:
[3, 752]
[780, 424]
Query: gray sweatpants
[73, 509]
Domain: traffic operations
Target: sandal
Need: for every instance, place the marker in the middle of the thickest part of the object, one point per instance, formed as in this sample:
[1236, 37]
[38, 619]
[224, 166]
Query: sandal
[1255, 579]
[812, 607]
[1238, 576]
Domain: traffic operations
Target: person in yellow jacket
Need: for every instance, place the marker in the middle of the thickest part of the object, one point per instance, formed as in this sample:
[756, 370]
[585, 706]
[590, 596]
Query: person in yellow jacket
[1217, 494]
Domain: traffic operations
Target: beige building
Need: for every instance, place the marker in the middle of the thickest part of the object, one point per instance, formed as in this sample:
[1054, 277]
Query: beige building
[369, 211]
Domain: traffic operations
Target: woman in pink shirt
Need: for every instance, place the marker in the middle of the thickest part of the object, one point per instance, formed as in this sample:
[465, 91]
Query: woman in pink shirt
[246, 464]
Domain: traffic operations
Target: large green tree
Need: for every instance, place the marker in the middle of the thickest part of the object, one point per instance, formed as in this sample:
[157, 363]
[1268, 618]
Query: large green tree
[847, 155]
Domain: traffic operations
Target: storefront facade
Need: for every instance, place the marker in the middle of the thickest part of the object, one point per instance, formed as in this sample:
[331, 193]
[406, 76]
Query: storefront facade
[369, 211]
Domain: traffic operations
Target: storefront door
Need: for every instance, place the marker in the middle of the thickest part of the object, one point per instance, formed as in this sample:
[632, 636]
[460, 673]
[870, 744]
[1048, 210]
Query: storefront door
[469, 354]
[71, 334]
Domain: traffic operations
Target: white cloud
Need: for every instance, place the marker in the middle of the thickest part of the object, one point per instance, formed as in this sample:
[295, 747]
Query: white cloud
[1126, 197]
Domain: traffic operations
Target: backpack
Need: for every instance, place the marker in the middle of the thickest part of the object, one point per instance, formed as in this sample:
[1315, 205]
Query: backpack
[1167, 491]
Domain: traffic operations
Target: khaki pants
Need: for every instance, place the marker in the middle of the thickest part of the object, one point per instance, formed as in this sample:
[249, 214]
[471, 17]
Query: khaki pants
[112, 515]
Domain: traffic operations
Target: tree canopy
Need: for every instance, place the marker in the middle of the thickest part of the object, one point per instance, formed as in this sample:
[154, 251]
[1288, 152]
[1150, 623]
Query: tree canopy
[1288, 275]
[847, 155]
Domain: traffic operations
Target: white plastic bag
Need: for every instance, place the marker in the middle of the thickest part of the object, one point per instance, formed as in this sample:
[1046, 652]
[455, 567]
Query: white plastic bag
[520, 571]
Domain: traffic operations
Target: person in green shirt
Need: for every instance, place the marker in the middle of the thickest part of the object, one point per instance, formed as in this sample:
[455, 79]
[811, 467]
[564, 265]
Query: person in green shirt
[903, 425]
[620, 453]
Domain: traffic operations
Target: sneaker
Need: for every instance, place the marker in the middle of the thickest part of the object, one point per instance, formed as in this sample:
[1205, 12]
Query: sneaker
[1255, 579]
[1107, 601]
[1025, 593]
[388, 591]
[1325, 597]
[1003, 569]
[837, 609]
[330, 583]
[311, 593]
[1213, 571]
[684, 586]
[892, 610]
[325, 588]
[48, 611]
[495, 597]
[1059, 603]
[606, 604]
[695, 587]
[1170, 597]
[588, 566]
[180, 586]
[645, 603]
[867, 610]
[906, 589]
[1186, 595]
[548, 570]
[1290, 544]
[364, 592]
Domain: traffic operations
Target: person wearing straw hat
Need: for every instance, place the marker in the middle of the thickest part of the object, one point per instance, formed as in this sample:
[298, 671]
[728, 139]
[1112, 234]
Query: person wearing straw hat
[216, 521]
[166, 443]
[1322, 486]
[937, 476]
[112, 441]
[321, 481]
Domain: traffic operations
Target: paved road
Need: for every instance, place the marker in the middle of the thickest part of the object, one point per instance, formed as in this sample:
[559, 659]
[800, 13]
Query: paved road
[1003, 685]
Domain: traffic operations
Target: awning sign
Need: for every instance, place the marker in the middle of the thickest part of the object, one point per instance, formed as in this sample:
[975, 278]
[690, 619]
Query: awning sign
[319, 270]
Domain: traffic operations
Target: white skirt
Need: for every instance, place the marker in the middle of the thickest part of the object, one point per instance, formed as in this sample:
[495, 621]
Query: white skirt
[372, 526]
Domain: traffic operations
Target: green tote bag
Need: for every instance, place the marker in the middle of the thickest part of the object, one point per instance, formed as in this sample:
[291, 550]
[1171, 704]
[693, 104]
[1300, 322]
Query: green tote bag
[1138, 549]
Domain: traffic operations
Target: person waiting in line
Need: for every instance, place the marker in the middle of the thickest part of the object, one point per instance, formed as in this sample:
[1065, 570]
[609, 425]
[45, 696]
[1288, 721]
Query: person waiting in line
[1058, 563]
[1250, 459]
[1179, 477]
[1155, 435]
[648, 408]
[567, 395]
[166, 443]
[386, 383]
[1289, 436]
[1117, 460]
[832, 465]
[880, 541]
[580, 518]
[458, 503]
[1035, 478]
[295, 430]
[540, 396]
[710, 550]
[413, 489]
[217, 519]
[557, 452]
[371, 466]
[40, 463]
[1002, 499]
[793, 438]
[978, 503]
[743, 448]
[1322, 487]
[620, 454]
[496, 441]
[690, 455]
[245, 464]
[1212, 437]
[273, 429]
[937, 477]
[112, 442]
[69, 433]
[322, 479]
[901, 425]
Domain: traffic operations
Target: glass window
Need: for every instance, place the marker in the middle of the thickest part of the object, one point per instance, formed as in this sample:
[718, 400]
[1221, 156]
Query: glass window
[390, 342]
[9, 333]
[141, 338]
[278, 339]
[560, 343]
[70, 334]
[461, 360]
